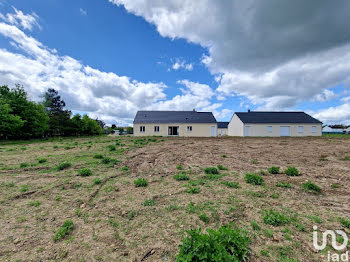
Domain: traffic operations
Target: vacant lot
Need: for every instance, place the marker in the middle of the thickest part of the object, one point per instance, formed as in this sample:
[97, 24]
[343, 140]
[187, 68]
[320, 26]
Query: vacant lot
[111, 219]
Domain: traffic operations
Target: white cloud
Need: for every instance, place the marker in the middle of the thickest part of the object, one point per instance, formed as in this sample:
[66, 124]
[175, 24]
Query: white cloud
[27, 22]
[182, 64]
[337, 114]
[82, 11]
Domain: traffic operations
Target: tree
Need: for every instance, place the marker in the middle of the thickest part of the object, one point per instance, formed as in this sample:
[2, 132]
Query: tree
[113, 126]
[130, 130]
[90, 126]
[9, 124]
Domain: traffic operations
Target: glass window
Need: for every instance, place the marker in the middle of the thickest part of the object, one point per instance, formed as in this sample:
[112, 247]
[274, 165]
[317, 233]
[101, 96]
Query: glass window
[300, 129]
[142, 129]
[313, 129]
[156, 129]
[189, 128]
[269, 129]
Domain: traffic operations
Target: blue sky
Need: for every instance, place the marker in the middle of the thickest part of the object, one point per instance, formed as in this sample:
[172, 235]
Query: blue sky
[112, 58]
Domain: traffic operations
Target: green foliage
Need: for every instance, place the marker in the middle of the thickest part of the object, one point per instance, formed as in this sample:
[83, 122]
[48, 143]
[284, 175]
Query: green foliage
[193, 190]
[64, 230]
[224, 156]
[125, 168]
[231, 184]
[292, 171]
[221, 167]
[274, 218]
[34, 203]
[98, 156]
[42, 160]
[311, 187]
[273, 170]
[108, 160]
[140, 182]
[63, 166]
[149, 203]
[24, 188]
[211, 170]
[24, 165]
[225, 244]
[85, 172]
[204, 218]
[334, 186]
[97, 181]
[179, 167]
[111, 148]
[255, 225]
[181, 177]
[254, 179]
[345, 222]
[284, 185]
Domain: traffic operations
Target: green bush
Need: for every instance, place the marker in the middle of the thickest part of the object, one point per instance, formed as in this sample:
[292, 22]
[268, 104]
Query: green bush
[64, 165]
[231, 184]
[125, 168]
[284, 185]
[85, 172]
[193, 190]
[97, 181]
[292, 171]
[345, 222]
[107, 160]
[42, 160]
[64, 230]
[273, 170]
[224, 156]
[204, 218]
[140, 182]
[275, 218]
[149, 203]
[221, 167]
[24, 188]
[179, 167]
[211, 171]
[225, 244]
[23, 165]
[254, 179]
[181, 177]
[111, 148]
[309, 186]
[98, 156]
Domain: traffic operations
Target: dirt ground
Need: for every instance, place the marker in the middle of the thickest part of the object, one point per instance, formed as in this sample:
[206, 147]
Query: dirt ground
[112, 222]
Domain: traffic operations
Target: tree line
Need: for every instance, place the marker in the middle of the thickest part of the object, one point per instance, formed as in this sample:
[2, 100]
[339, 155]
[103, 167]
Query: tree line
[24, 119]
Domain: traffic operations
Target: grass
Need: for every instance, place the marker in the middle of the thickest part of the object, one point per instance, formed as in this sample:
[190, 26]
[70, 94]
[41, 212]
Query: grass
[42, 160]
[283, 185]
[231, 184]
[64, 230]
[211, 171]
[273, 170]
[193, 190]
[125, 168]
[63, 166]
[24, 188]
[224, 156]
[97, 181]
[34, 203]
[345, 222]
[275, 218]
[253, 179]
[24, 165]
[181, 177]
[311, 187]
[149, 203]
[179, 167]
[255, 226]
[292, 171]
[221, 167]
[85, 172]
[111, 148]
[98, 156]
[140, 182]
[204, 217]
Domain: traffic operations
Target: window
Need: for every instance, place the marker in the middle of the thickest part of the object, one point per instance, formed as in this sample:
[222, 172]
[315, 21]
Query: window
[189, 129]
[269, 129]
[156, 129]
[142, 129]
[313, 129]
[300, 129]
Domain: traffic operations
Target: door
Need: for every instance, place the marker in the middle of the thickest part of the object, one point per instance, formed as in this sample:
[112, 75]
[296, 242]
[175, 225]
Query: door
[173, 130]
[247, 131]
[212, 131]
[285, 131]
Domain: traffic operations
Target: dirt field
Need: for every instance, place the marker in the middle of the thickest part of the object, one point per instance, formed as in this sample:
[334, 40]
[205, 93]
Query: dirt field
[112, 221]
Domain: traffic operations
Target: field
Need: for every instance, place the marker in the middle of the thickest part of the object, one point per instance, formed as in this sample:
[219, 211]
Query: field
[112, 219]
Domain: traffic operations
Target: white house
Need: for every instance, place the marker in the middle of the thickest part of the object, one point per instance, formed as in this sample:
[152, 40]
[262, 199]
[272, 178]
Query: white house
[223, 128]
[275, 124]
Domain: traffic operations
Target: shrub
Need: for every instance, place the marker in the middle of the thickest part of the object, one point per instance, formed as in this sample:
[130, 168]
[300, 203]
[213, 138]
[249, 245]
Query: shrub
[179, 167]
[221, 167]
[97, 181]
[140, 182]
[149, 203]
[98, 156]
[255, 225]
[309, 186]
[211, 171]
[275, 218]
[273, 170]
[64, 230]
[292, 171]
[224, 155]
[253, 179]
[231, 184]
[345, 222]
[284, 185]
[181, 177]
[262, 172]
[23, 165]
[42, 160]
[193, 190]
[224, 244]
[125, 168]
[64, 165]
[24, 188]
[85, 172]
[111, 148]
[204, 218]
[106, 160]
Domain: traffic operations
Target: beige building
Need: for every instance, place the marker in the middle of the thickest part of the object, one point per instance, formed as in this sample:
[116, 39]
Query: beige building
[223, 128]
[274, 124]
[175, 123]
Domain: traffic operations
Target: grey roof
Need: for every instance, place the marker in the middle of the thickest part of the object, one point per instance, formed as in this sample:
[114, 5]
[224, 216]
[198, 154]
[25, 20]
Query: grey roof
[160, 117]
[223, 124]
[256, 117]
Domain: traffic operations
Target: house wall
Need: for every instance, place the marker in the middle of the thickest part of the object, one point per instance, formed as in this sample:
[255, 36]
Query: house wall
[222, 131]
[235, 127]
[261, 129]
[198, 130]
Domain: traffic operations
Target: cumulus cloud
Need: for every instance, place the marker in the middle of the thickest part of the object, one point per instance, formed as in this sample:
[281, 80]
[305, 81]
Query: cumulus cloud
[182, 64]
[335, 114]
[17, 18]
[276, 53]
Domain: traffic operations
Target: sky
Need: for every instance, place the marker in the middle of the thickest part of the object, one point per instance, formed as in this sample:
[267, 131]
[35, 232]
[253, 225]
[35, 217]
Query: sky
[111, 58]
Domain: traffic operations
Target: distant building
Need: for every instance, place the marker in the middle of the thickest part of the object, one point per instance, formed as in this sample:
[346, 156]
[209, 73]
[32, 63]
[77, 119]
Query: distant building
[223, 128]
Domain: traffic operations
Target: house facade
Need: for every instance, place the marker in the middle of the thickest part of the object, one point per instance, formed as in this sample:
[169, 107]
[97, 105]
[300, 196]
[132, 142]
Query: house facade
[223, 128]
[175, 123]
[274, 124]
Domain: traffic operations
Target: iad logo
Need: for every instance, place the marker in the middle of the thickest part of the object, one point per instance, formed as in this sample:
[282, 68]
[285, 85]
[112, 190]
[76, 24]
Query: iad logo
[335, 256]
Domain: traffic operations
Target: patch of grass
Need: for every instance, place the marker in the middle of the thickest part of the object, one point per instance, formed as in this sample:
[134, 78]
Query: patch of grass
[255, 161]
[203, 217]
[273, 170]
[262, 172]
[24, 188]
[111, 148]
[221, 167]
[10, 184]
[85, 172]
[231, 184]
[63, 166]
[264, 253]
[98, 156]
[292, 171]
[193, 190]
[34, 203]
[64, 230]
[311, 187]
[58, 198]
[108, 160]
[211, 171]
[346, 158]
[315, 219]
[284, 185]
[24, 165]
[224, 156]
[275, 218]
[212, 176]
[254, 179]
[179, 167]
[181, 177]
[149, 203]
[334, 186]
[125, 168]
[255, 225]
[345, 222]
[323, 158]
[227, 243]
[42, 160]
[140, 182]
[97, 181]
